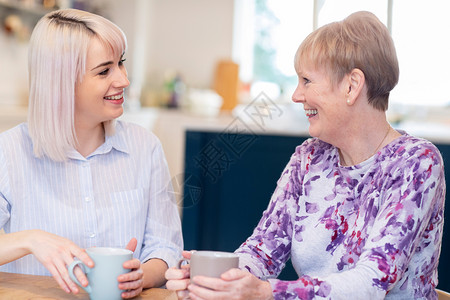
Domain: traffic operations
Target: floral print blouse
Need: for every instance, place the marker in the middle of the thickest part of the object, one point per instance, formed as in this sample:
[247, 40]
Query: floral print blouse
[370, 231]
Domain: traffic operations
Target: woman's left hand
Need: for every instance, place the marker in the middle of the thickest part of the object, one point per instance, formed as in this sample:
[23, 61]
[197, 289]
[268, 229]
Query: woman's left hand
[132, 283]
[234, 284]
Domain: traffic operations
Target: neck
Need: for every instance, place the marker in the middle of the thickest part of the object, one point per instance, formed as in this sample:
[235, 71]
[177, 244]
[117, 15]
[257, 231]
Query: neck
[365, 138]
[89, 138]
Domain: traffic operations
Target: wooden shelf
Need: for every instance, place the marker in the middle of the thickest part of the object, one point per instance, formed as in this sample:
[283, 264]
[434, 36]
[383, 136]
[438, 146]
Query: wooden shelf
[36, 10]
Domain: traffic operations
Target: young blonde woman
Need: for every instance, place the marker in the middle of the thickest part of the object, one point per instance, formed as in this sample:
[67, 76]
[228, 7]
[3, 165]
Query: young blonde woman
[73, 177]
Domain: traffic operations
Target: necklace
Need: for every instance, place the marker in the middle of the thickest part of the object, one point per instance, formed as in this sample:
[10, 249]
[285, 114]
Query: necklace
[376, 149]
[379, 145]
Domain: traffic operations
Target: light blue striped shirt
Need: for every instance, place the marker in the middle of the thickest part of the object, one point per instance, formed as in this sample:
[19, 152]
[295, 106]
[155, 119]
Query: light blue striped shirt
[120, 191]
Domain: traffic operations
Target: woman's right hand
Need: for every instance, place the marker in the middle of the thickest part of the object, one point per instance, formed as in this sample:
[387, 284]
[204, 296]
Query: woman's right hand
[178, 279]
[56, 253]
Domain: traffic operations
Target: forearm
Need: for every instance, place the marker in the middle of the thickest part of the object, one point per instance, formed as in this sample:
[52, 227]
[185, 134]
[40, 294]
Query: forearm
[13, 246]
[154, 270]
[356, 284]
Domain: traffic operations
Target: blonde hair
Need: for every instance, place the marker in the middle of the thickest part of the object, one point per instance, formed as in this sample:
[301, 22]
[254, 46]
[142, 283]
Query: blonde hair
[56, 61]
[360, 41]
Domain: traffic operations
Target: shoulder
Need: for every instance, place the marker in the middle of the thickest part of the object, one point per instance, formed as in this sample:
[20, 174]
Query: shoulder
[15, 136]
[310, 155]
[313, 149]
[314, 146]
[411, 149]
[414, 159]
[19, 130]
[136, 136]
[15, 145]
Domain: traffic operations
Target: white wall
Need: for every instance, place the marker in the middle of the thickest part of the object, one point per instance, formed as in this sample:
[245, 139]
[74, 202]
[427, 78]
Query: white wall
[190, 36]
[13, 71]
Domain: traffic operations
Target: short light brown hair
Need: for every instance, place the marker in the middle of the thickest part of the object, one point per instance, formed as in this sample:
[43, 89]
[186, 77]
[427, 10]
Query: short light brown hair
[359, 41]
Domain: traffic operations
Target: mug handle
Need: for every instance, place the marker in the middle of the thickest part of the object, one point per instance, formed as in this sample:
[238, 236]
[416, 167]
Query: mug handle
[84, 268]
[182, 261]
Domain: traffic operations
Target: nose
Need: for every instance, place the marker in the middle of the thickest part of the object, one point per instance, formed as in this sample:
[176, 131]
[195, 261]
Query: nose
[298, 96]
[121, 80]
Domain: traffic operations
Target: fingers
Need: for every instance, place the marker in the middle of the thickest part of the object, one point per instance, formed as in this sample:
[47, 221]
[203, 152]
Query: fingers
[233, 274]
[130, 277]
[132, 264]
[178, 279]
[211, 283]
[132, 283]
[65, 276]
[187, 254]
[57, 265]
[183, 295]
[81, 255]
[131, 293]
[59, 279]
[177, 285]
[132, 244]
[175, 274]
[197, 292]
[81, 276]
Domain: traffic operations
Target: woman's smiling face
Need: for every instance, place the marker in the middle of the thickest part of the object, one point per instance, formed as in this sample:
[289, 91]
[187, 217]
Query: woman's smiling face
[99, 95]
[324, 103]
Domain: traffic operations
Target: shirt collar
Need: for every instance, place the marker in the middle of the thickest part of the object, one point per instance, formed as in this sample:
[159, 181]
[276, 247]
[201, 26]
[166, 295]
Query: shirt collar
[117, 141]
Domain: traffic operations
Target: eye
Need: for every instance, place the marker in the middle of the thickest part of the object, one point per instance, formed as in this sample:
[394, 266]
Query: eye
[104, 72]
[122, 61]
[305, 80]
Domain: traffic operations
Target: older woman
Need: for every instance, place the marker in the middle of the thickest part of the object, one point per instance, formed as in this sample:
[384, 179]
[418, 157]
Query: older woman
[359, 207]
[73, 177]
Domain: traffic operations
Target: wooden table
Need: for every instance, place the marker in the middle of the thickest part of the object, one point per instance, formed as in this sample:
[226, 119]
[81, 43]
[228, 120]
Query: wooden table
[32, 287]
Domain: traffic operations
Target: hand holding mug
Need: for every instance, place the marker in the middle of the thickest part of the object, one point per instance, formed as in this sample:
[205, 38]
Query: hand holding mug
[210, 264]
[178, 278]
[132, 283]
[103, 283]
[115, 273]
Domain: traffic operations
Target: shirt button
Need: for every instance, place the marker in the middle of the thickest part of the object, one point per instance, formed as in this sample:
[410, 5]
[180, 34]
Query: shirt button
[92, 234]
[87, 199]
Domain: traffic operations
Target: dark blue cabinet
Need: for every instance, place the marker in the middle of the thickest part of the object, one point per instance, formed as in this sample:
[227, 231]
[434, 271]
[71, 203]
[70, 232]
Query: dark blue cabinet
[229, 180]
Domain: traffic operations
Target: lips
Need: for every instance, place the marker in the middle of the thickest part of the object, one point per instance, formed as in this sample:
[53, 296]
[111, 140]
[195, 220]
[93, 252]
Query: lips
[115, 99]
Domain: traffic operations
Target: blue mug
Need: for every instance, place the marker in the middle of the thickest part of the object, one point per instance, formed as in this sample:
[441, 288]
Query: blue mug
[103, 284]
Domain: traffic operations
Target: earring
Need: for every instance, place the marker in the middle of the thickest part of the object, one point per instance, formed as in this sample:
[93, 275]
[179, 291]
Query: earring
[348, 101]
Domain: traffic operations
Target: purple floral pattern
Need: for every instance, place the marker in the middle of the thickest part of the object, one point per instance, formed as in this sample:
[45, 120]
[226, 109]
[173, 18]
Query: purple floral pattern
[370, 231]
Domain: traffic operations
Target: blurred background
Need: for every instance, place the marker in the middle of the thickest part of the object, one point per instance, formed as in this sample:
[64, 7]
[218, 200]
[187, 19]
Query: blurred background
[175, 45]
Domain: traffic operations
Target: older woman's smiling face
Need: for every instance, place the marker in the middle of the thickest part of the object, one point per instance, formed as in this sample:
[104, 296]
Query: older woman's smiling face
[99, 95]
[323, 102]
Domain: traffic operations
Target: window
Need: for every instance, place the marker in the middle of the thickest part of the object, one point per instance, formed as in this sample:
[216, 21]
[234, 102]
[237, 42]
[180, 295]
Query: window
[268, 32]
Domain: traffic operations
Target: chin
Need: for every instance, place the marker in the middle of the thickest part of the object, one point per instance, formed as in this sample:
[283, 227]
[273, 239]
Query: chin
[117, 113]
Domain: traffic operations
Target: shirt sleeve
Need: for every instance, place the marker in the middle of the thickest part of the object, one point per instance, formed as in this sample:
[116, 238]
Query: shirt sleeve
[4, 205]
[265, 253]
[408, 220]
[163, 238]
